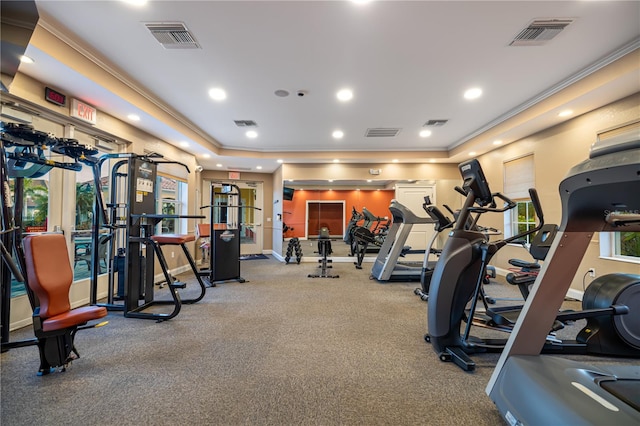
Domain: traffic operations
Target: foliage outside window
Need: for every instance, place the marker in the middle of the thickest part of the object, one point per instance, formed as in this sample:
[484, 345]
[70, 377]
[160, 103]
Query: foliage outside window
[81, 237]
[523, 218]
[627, 245]
[36, 204]
[34, 215]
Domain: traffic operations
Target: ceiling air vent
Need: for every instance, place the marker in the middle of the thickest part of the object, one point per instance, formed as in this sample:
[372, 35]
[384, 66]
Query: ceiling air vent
[239, 169]
[245, 123]
[382, 132]
[440, 122]
[172, 35]
[540, 31]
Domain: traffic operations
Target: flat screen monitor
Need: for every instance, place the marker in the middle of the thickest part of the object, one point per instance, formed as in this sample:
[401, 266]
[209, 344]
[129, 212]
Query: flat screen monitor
[287, 193]
[474, 180]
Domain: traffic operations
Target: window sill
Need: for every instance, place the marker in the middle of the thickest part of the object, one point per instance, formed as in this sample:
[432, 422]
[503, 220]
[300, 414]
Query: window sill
[621, 259]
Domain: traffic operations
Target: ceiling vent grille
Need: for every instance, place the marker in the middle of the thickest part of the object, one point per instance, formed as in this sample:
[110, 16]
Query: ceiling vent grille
[173, 35]
[540, 32]
[382, 132]
[440, 122]
[239, 169]
[245, 123]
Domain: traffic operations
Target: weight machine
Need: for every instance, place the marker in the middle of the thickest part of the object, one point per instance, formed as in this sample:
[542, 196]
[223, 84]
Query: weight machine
[224, 259]
[131, 219]
[22, 155]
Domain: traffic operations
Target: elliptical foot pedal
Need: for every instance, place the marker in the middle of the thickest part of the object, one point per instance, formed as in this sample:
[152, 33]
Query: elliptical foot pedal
[178, 284]
[458, 357]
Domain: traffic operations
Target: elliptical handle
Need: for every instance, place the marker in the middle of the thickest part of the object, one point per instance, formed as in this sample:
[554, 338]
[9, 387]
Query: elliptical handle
[533, 193]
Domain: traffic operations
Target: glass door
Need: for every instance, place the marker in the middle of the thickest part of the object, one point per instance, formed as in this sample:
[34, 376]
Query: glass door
[250, 217]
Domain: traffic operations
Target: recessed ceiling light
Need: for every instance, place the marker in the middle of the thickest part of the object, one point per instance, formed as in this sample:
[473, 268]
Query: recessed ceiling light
[184, 144]
[206, 155]
[259, 167]
[369, 180]
[280, 161]
[218, 165]
[217, 94]
[473, 93]
[133, 117]
[425, 133]
[26, 59]
[338, 134]
[472, 153]
[252, 134]
[565, 113]
[345, 95]
[330, 180]
[395, 160]
[135, 2]
[432, 161]
[497, 142]
[336, 161]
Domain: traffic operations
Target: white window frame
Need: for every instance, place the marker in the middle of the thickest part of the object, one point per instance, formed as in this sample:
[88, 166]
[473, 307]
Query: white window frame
[180, 202]
[519, 176]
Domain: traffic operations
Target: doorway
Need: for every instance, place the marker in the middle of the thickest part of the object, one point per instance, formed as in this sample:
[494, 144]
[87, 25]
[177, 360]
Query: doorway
[329, 214]
[248, 219]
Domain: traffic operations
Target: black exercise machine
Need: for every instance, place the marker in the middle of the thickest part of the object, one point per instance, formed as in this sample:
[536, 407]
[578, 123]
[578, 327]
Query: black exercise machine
[324, 250]
[387, 265]
[442, 222]
[598, 195]
[41, 260]
[224, 261]
[131, 221]
[526, 271]
[458, 276]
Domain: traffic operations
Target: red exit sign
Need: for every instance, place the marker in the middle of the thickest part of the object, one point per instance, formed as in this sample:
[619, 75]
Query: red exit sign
[83, 111]
[54, 97]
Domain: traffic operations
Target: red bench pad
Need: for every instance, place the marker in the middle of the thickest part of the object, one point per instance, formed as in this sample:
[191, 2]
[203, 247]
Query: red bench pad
[74, 317]
[173, 238]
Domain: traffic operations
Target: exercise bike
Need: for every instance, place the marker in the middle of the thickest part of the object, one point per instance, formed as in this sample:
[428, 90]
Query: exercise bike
[458, 276]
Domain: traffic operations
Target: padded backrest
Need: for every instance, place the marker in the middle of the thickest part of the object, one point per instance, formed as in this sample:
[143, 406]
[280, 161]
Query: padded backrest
[49, 272]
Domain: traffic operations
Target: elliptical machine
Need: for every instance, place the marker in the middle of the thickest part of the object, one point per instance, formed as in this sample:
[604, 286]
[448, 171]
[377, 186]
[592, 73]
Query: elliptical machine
[457, 280]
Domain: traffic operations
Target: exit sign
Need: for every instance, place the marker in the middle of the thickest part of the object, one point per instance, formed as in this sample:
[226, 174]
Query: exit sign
[83, 111]
[234, 175]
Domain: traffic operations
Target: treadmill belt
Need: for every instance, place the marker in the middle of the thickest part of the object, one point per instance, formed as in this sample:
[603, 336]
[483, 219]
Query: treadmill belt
[627, 391]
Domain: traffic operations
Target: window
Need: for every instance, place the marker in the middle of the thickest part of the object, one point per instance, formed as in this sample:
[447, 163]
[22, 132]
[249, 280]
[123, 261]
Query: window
[523, 218]
[518, 178]
[627, 244]
[81, 236]
[624, 246]
[172, 199]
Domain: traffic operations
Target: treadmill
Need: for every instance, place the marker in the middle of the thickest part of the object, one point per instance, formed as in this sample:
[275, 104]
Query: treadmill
[601, 194]
[387, 267]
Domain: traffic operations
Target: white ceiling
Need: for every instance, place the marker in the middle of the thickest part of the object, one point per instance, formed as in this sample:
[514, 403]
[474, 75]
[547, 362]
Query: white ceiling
[406, 61]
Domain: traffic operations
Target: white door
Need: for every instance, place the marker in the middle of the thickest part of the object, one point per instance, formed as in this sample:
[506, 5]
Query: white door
[412, 197]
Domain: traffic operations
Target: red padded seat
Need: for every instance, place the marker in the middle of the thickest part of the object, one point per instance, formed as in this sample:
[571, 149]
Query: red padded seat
[50, 276]
[173, 238]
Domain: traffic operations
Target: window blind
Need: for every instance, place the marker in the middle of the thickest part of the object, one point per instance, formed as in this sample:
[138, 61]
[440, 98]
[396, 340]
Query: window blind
[519, 177]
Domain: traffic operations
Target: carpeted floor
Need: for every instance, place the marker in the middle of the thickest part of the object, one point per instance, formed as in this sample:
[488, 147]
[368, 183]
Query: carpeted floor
[279, 349]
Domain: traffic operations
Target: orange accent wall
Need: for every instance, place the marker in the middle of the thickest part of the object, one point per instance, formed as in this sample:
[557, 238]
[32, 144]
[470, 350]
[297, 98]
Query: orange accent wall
[376, 201]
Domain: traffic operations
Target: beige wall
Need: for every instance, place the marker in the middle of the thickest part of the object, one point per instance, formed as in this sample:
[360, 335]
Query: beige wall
[361, 171]
[555, 151]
